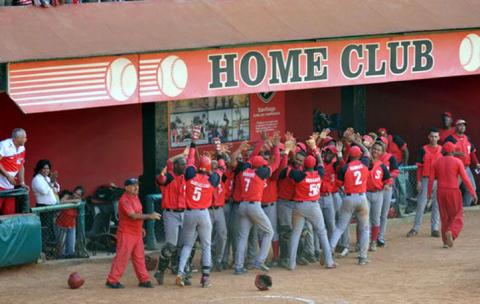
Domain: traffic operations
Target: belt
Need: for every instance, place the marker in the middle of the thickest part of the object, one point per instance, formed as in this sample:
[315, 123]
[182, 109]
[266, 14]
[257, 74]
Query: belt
[268, 205]
[374, 191]
[175, 210]
[350, 194]
[215, 207]
[325, 194]
[190, 209]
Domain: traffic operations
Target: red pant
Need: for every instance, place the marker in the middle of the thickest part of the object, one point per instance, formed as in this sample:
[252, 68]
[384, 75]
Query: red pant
[7, 205]
[451, 211]
[128, 246]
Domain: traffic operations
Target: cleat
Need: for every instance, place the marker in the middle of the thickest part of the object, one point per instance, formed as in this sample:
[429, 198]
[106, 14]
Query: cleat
[262, 267]
[205, 281]
[412, 233]
[239, 271]
[373, 246]
[435, 233]
[179, 281]
[146, 284]
[363, 261]
[117, 285]
[344, 252]
[381, 244]
[160, 277]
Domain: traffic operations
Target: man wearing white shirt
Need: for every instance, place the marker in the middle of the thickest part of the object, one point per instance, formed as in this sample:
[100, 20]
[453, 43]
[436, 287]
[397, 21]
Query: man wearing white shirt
[12, 159]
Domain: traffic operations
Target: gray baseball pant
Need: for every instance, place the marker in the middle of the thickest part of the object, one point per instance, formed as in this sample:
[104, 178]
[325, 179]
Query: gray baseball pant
[422, 203]
[219, 233]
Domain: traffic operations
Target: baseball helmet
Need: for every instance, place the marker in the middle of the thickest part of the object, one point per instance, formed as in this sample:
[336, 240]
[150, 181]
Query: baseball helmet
[355, 152]
[258, 161]
[263, 282]
[309, 162]
[205, 163]
[75, 280]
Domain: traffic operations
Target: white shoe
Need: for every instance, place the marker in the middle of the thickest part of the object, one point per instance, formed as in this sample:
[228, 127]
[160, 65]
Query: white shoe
[344, 252]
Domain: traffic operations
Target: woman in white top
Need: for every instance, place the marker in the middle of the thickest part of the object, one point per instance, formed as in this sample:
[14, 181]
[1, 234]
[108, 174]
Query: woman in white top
[45, 188]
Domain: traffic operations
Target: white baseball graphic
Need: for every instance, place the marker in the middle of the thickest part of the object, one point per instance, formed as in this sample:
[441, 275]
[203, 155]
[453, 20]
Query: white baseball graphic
[469, 52]
[172, 76]
[121, 79]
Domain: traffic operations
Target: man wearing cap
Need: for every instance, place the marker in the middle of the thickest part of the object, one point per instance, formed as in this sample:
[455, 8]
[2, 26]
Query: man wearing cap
[353, 176]
[200, 184]
[447, 129]
[446, 171]
[130, 238]
[252, 182]
[466, 152]
[426, 158]
[306, 195]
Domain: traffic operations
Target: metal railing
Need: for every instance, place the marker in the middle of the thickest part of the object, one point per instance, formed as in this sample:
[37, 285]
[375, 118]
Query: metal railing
[58, 241]
[405, 191]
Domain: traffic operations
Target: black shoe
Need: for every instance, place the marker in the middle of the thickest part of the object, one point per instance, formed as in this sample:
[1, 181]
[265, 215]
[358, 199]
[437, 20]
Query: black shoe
[146, 284]
[114, 285]
[205, 282]
[159, 276]
[435, 233]
[381, 244]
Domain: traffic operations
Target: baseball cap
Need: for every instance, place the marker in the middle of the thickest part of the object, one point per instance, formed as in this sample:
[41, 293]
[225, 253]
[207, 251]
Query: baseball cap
[309, 162]
[355, 152]
[448, 147]
[460, 121]
[447, 114]
[331, 148]
[258, 161]
[131, 181]
[380, 130]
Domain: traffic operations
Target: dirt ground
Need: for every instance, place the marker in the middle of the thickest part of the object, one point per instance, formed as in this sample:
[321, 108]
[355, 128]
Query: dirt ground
[416, 270]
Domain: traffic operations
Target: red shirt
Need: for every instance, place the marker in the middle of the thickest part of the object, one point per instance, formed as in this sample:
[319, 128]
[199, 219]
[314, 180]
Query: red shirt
[396, 145]
[199, 192]
[218, 198]
[378, 176]
[237, 189]
[12, 160]
[426, 157]
[129, 204]
[67, 218]
[445, 133]
[309, 188]
[286, 186]
[173, 191]
[252, 185]
[446, 171]
[354, 176]
[391, 163]
[464, 145]
[229, 184]
[270, 193]
[330, 179]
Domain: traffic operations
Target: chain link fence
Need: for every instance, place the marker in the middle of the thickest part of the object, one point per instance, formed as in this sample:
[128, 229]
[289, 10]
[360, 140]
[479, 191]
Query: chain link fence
[63, 230]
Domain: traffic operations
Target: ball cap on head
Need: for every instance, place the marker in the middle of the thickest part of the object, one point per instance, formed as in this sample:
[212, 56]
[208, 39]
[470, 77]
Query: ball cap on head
[448, 147]
[205, 163]
[331, 148]
[382, 130]
[355, 152]
[460, 122]
[130, 181]
[384, 140]
[258, 161]
[448, 114]
[309, 162]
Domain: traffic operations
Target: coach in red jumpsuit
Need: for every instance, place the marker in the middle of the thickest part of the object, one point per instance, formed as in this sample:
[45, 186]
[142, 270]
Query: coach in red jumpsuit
[446, 171]
[129, 238]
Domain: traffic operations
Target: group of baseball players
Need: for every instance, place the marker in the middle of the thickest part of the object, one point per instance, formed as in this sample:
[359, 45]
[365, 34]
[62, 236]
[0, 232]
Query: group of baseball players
[299, 199]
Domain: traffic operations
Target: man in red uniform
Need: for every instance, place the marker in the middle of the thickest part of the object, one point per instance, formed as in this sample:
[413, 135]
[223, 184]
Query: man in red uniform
[447, 171]
[353, 176]
[253, 178]
[12, 159]
[129, 238]
[426, 158]
[466, 151]
[446, 130]
[172, 186]
[200, 185]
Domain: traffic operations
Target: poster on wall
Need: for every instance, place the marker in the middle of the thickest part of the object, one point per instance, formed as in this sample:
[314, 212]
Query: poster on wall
[267, 112]
[225, 117]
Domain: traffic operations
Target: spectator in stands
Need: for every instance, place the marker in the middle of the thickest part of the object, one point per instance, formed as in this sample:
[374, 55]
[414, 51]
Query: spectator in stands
[66, 223]
[46, 189]
[12, 159]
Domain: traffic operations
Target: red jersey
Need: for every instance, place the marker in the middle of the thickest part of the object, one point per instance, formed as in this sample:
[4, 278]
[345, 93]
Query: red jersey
[464, 145]
[308, 188]
[445, 133]
[229, 184]
[286, 186]
[253, 182]
[378, 177]
[198, 192]
[396, 145]
[329, 182]
[446, 171]
[426, 157]
[67, 218]
[129, 204]
[218, 199]
[354, 176]
[391, 163]
[12, 160]
[173, 191]
[237, 189]
[270, 193]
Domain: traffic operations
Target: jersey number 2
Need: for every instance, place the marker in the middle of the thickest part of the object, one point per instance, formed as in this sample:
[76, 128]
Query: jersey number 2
[358, 177]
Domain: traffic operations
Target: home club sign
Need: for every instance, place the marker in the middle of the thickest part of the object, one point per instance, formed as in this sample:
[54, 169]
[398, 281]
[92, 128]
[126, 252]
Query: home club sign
[103, 81]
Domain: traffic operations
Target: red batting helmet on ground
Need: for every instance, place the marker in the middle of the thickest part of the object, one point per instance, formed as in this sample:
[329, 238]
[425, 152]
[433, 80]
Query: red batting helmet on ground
[75, 280]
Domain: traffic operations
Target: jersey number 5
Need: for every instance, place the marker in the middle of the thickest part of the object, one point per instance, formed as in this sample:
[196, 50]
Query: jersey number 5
[197, 194]
[314, 189]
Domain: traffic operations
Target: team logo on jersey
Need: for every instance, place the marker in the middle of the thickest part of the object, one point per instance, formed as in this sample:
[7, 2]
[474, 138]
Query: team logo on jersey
[266, 96]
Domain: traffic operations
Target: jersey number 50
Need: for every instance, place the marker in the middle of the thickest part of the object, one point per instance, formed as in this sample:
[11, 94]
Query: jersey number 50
[314, 189]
